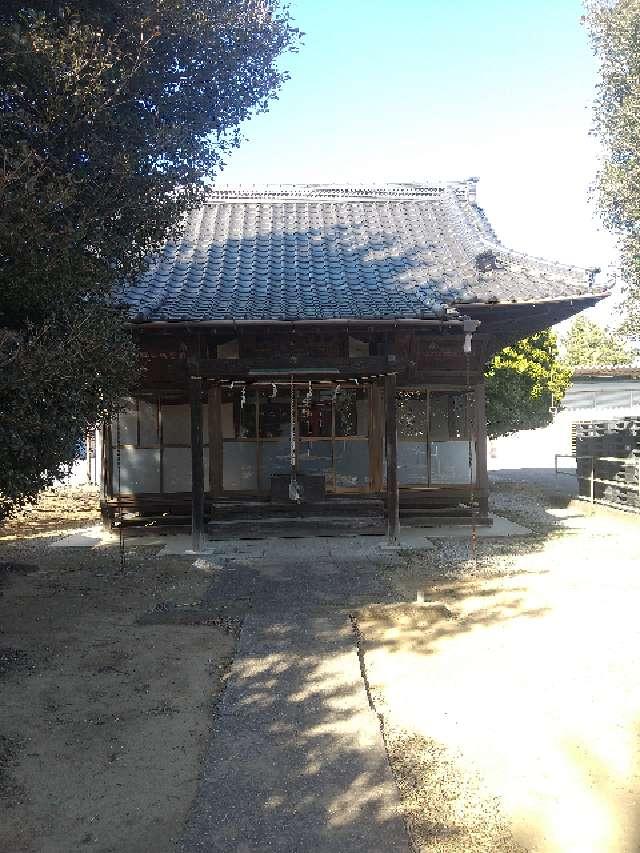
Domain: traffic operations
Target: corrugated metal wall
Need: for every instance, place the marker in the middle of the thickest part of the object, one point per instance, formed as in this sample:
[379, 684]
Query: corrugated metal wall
[605, 394]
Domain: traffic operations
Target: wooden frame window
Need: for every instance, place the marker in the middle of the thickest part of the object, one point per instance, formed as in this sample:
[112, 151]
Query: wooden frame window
[435, 425]
[155, 445]
[332, 432]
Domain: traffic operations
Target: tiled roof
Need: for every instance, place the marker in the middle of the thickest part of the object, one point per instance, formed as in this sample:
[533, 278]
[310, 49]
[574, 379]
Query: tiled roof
[401, 251]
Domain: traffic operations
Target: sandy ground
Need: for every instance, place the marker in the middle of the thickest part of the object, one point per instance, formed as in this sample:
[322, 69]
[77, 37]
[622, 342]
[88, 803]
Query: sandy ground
[507, 685]
[509, 688]
[56, 511]
[104, 720]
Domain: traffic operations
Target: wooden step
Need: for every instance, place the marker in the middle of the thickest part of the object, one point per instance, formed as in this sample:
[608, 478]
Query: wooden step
[447, 520]
[435, 512]
[288, 509]
[295, 527]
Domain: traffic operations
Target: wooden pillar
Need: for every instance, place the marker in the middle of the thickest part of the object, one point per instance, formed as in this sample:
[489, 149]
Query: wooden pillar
[88, 443]
[215, 440]
[376, 437]
[393, 494]
[107, 460]
[482, 474]
[197, 464]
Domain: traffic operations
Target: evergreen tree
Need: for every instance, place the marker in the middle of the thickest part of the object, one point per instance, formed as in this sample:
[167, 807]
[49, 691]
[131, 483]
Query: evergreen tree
[113, 113]
[524, 383]
[588, 345]
[615, 30]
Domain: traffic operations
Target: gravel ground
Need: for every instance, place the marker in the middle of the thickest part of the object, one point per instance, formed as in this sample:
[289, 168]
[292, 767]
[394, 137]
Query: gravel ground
[505, 675]
[445, 808]
[507, 682]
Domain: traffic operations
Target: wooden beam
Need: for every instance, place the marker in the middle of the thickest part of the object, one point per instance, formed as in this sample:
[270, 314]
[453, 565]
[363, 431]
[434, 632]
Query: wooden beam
[173, 372]
[215, 440]
[393, 495]
[482, 474]
[197, 464]
[255, 368]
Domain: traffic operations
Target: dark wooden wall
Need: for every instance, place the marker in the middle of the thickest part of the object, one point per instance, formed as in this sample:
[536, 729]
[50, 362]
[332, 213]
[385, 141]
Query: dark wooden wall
[417, 356]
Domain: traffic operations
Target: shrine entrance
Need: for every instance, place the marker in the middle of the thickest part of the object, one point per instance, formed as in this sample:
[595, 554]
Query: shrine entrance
[315, 429]
[315, 453]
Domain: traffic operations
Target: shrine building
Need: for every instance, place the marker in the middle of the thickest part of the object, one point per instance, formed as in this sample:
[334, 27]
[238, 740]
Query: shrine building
[313, 361]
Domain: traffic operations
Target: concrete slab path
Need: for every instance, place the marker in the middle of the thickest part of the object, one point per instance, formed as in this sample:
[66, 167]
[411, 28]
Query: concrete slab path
[87, 537]
[273, 548]
[297, 761]
[314, 547]
[341, 547]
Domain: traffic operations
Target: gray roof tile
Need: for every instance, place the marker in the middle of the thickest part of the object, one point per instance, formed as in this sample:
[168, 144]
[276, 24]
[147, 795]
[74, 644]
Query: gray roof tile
[311, 252]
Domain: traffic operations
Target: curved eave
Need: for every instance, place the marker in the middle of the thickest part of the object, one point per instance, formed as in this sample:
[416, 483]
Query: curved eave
[592, 297]
[454, 316]
[508, 322]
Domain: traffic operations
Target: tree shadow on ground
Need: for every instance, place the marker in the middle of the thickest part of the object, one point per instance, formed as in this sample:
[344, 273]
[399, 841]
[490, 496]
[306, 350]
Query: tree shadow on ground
[420, 627]
[296, 761]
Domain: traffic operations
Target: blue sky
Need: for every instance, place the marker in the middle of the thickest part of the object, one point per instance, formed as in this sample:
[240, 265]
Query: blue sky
[386, 90]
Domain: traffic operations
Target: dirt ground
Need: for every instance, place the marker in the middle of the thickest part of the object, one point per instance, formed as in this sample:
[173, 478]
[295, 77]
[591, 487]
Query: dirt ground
[107, 697]
[509, 687]
[505, 681]
[56, 511]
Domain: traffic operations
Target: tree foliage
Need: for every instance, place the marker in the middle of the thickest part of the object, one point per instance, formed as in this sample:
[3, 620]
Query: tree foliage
[523, 382]
[52, 389]
[112, 115]
[615, 31]
[588, 345]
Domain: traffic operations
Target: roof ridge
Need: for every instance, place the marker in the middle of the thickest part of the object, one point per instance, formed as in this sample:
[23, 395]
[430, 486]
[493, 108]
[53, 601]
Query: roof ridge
[406, 189]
